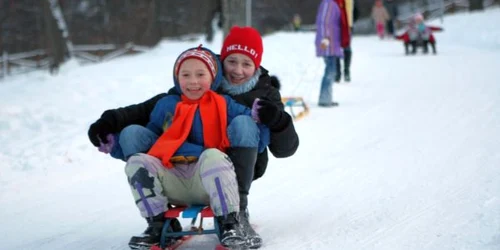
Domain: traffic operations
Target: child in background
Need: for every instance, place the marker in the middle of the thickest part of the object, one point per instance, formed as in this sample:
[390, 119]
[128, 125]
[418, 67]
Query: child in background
[296, 22]
[419, 34]
[380, 17]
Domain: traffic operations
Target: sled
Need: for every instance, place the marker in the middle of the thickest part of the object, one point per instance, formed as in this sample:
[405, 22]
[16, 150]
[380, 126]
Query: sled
[296, 106]
[191, 212]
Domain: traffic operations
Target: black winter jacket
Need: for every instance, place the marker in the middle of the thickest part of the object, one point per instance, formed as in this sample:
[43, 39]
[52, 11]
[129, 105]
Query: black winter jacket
[284, 138]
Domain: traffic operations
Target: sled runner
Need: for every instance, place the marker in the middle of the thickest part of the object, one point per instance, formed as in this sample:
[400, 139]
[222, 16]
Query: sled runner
[172, 240]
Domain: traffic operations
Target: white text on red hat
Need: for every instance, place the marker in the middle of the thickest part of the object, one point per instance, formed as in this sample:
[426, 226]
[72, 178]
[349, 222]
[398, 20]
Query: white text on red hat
[240, 47]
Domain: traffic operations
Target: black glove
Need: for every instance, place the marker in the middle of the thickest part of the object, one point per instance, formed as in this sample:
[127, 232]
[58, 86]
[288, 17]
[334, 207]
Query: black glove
[99, 130]
[269, 113]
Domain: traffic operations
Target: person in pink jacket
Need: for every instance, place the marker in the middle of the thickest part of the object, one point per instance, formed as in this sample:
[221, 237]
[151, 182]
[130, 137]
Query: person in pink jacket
[380, 16]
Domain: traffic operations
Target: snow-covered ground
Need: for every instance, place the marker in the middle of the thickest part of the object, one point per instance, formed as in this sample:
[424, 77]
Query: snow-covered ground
[410, 160]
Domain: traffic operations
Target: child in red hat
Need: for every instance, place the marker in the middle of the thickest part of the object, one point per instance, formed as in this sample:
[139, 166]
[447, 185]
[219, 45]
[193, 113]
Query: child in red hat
[241, 54]
[245, 80]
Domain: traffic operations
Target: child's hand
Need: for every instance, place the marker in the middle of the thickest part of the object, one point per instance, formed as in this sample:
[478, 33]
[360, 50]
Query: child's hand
[324, 43]
[266, 112]
[108, 146]
[255, 110]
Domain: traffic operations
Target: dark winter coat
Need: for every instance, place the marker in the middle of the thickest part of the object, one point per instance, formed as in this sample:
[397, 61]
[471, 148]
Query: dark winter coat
[284, 139]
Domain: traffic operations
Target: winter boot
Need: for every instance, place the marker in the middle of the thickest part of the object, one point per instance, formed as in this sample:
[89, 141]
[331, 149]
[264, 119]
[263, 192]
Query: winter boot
[347, 64]
[329, 105]
[407, 48]
[254, 240]
[151, 236]
[347, 76]
[433, 46]
[338, 75]
[426, 47]
[244, 160]
[413, 47]
[231, 234]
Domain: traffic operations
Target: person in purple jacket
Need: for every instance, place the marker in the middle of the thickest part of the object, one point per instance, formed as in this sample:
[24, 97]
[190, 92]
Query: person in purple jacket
[328, 39]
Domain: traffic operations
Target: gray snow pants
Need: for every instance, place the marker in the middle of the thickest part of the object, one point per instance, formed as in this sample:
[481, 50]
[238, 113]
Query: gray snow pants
[209, 181]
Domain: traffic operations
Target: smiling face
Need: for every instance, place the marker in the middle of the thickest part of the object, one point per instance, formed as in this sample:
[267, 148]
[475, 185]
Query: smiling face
[238, 68]
[194, 78]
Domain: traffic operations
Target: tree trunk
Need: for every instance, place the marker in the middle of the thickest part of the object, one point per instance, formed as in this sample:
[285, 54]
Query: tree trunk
[58, 16]
[233, 13]
[475, 5]
[152, 35]
[215, 10]
[53, 39]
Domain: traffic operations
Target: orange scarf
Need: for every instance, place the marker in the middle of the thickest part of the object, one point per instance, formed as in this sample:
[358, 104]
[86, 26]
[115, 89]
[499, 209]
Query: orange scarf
[213, 110]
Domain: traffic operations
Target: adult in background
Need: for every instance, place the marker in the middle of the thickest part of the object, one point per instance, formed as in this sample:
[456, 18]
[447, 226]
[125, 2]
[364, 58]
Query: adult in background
[352, 16]
[392, 8]
[332, 34]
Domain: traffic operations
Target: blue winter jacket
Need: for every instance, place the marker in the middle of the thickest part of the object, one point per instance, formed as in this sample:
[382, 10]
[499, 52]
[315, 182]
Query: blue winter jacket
[163, 113]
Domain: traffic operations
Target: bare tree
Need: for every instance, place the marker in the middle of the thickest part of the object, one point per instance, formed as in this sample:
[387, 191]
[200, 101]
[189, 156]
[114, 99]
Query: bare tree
[215, 11]
[233, 12]
[152, 34]
[475, 5]
[54, 40]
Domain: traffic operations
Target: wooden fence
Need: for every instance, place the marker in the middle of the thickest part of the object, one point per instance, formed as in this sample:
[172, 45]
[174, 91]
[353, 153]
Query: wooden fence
[11, 64]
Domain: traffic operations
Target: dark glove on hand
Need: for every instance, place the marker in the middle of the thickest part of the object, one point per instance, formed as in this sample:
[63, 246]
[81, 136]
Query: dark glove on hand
[269, 113]
[98, 132]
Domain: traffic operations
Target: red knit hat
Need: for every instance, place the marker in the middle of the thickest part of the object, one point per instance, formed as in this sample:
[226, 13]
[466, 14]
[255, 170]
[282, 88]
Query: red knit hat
[201, 54]
[244, 40]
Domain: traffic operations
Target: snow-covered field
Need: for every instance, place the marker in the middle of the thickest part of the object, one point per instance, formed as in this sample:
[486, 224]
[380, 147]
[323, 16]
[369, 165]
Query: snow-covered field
[410, 160]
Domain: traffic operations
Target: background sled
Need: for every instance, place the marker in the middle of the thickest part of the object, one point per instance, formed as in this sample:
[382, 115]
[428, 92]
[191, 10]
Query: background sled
[296, 106]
